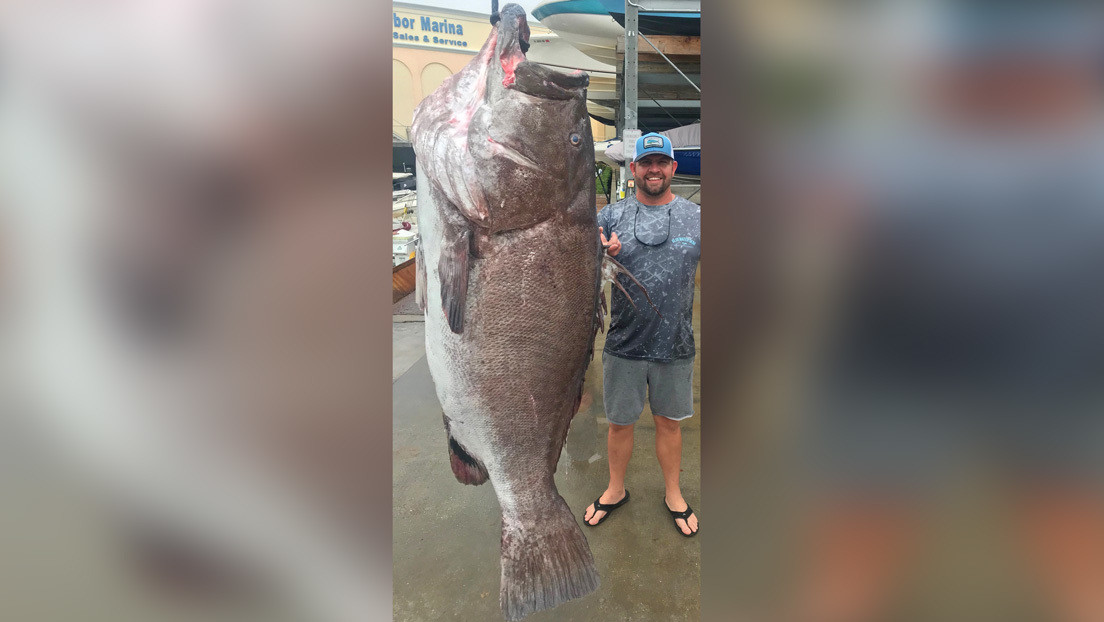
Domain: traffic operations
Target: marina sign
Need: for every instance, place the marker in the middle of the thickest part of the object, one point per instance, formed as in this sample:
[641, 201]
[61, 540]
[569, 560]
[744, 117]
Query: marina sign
[427, 30]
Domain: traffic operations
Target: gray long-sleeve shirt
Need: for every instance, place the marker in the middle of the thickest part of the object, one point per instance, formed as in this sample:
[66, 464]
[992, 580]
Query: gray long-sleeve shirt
[662, 252]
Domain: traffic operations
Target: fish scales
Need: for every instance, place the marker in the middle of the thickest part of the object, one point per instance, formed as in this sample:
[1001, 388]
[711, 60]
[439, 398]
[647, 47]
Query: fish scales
[509, 278]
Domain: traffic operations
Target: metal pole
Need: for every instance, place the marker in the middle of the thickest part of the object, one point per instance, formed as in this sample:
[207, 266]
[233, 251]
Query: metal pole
[619, 173]
[631, 131]
[632, 23]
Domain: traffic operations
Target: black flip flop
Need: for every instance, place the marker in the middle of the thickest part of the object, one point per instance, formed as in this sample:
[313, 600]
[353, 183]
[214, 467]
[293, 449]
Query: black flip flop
[608, 509]
[684, 515]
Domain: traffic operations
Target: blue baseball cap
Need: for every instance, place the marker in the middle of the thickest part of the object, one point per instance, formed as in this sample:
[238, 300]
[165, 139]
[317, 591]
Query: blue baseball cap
[653, 143]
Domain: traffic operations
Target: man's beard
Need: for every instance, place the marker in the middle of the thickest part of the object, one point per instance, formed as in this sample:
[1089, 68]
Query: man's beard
[643, 185]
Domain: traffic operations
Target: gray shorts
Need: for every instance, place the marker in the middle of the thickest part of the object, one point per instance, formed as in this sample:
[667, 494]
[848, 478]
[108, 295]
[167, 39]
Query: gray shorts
[669, 387]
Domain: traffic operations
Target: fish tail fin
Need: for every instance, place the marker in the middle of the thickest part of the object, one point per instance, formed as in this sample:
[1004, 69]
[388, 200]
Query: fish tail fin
[544, 563]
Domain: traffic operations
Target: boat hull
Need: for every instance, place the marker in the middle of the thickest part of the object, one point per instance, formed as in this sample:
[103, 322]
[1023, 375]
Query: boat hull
[689, 161]
[585, 24]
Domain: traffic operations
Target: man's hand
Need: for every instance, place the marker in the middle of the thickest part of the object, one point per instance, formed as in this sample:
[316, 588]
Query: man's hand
[613, 245]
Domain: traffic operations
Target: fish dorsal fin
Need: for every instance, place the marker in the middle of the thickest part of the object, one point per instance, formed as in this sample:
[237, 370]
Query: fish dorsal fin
[440, 132]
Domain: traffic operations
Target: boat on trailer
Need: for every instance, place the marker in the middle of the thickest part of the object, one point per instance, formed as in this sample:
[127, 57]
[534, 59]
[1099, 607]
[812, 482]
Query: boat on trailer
[593, 26]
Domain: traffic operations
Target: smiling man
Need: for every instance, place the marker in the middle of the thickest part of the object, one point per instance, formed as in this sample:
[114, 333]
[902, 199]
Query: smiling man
[656, 236]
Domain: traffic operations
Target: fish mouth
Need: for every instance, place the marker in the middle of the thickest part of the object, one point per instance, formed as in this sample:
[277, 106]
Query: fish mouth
[525, 76]
[513, 28]
[575, 81]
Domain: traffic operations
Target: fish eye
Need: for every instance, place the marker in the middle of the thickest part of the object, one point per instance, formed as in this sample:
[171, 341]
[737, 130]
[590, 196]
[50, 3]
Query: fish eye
[576, 139]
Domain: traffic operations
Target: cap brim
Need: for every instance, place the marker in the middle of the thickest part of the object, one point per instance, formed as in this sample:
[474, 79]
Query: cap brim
[648, 153]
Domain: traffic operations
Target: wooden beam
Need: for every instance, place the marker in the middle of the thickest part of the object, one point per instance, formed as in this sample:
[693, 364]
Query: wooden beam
[670, 45]
[402, 279]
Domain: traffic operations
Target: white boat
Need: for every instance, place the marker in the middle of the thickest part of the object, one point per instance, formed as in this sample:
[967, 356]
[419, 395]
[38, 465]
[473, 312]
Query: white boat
[403, 201]
[593, 26]
[404, 221]
[403, 198]
[586, 24]
[554, 51]
[600, 152]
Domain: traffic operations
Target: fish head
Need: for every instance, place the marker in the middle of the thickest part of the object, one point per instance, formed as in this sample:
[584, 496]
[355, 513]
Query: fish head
[507, 140]
[533, 136]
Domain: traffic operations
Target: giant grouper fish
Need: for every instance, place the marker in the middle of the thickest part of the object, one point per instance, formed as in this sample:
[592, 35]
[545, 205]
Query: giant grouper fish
[509, 278]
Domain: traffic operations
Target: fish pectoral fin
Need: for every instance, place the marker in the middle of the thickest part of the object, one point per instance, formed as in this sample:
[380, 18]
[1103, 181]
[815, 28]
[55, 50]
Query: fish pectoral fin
[467, 468]
[419, 278]
[603, 309]
[453, 271]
